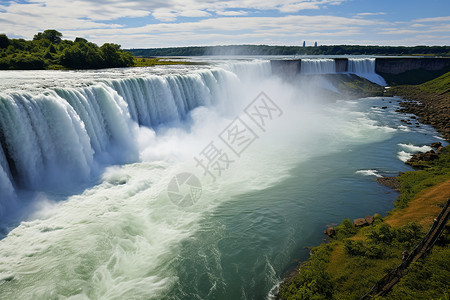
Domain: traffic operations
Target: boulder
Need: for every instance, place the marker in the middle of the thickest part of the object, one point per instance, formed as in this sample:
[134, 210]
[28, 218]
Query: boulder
[436, 145]
[430, 155]
[330, 231]
[369, 219]
[359, 222]
[390, 182]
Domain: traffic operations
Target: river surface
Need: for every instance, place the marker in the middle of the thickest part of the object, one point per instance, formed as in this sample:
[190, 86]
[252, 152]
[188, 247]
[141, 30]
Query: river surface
[183, 182]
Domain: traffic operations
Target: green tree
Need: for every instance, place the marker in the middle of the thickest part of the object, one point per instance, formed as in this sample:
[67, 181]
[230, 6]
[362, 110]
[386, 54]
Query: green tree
[110, 54]
[4, 41]
[51, 49]
[80, 40]
[52, 35]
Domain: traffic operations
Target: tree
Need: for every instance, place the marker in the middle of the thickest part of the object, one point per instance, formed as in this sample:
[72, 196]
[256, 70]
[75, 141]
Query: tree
[110, 53]
[4, 41]
[51, 49]
[49, 34]
[80, 40]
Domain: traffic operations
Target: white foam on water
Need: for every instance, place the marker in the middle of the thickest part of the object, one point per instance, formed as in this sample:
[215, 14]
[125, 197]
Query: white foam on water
[404, 156]
[368, 173]
[415, 149]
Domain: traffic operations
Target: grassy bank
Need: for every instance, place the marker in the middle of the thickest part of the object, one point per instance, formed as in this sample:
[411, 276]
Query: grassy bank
[357, 257]
[158, 61]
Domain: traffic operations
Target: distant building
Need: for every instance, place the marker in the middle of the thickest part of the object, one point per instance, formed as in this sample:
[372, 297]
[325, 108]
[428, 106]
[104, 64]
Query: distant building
[304, 44]
[315, 44]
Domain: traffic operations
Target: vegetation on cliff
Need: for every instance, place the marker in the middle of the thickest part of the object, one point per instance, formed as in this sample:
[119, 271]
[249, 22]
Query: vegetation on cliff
[48, 50]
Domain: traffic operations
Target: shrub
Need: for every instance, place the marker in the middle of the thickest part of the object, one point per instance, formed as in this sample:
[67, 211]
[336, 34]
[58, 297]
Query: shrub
[346, 229]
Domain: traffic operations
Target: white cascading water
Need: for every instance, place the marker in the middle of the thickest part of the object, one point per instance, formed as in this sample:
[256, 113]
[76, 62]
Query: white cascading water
[318, 66]
[365, 67]
[57, 139]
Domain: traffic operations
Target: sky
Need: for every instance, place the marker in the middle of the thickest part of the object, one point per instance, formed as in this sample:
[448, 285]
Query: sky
[176, 23]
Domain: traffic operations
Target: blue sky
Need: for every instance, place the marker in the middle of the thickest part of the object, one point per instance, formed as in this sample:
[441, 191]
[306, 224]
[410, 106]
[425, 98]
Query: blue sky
[172, 23]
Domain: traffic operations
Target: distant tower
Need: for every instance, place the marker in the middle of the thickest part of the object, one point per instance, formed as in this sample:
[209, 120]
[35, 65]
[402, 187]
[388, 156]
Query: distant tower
[304, 44]
[315, 44]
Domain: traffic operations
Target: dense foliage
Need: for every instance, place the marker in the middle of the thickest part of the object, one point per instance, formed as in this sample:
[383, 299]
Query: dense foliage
[426, 279]
[293, 50]
[313, 280]
[48, 50]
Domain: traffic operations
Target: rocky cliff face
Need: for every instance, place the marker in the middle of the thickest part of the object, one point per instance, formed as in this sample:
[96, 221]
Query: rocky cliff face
[286, 67]
[341, 64]
[400, 65]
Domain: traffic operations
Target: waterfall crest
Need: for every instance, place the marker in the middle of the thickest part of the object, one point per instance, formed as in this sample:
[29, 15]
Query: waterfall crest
[61, 137]
[365, 67]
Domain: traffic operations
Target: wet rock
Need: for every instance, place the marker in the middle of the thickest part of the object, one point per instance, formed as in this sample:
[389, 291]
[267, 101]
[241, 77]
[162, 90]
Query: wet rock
[360, 222]
[330, 231]
[420, 160]
[436, 145]
[369, 220]
[390, 182]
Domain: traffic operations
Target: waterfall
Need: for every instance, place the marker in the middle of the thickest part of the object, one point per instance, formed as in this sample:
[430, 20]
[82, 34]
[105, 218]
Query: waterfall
[365, 67]
[62, 137]
[318, 66]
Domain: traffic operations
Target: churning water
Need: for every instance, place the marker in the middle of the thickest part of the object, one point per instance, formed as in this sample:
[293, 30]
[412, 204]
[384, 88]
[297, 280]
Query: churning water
[86, 159]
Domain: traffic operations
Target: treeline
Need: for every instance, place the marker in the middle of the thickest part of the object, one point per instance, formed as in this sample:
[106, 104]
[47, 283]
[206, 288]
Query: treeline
[48, 50]
[293, 50]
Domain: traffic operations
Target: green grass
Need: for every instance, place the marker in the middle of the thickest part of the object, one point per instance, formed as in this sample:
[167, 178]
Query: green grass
[418, 76]
[427, 278]
[313, 282]
[414, 182]
[157, 61]
[440, 85]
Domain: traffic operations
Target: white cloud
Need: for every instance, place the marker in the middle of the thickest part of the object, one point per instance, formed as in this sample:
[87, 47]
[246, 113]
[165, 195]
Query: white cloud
[232, 13]
[288, 29]
[371, 14]
[436, 19]
[418, 25]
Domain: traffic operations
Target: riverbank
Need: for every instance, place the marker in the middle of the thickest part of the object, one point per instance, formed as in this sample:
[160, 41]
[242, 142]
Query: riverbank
[429, 101]
[357, 257]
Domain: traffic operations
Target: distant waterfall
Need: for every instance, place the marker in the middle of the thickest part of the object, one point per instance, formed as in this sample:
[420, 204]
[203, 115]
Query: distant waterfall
[59, 138]
[365, 67]
[318, 66]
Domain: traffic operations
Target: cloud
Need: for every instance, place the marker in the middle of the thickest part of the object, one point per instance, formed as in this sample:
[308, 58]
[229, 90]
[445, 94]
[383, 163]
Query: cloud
[232, 13]
[435, 19]
[371, 14]
[289, 29]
